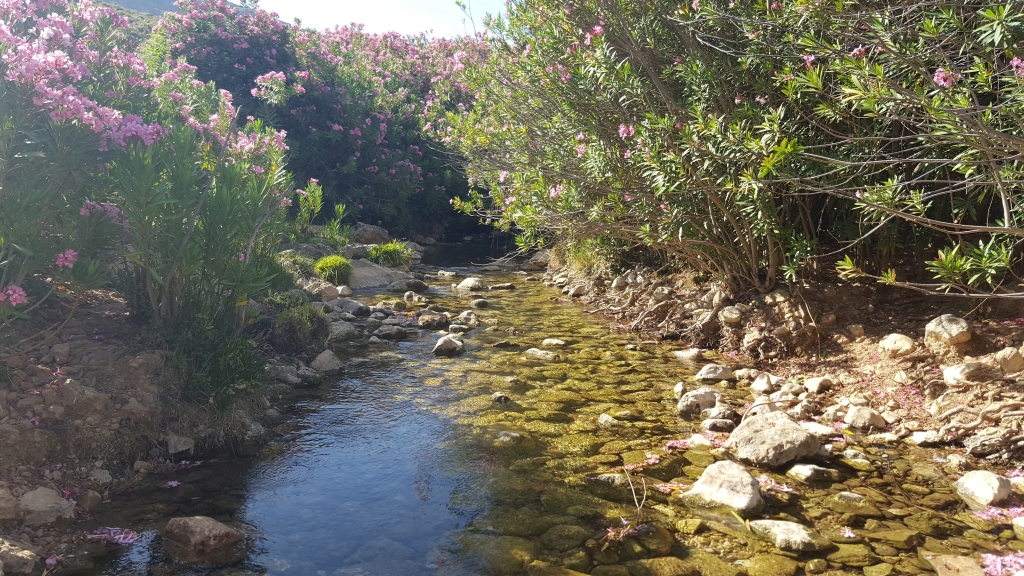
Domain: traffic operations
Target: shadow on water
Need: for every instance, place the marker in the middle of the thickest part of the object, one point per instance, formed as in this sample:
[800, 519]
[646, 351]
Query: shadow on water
[399, 468]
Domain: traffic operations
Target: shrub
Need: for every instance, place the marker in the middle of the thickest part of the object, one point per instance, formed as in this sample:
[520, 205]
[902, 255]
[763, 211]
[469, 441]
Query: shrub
[393, 253]
[285, 300]
[297, 329]
[334, 269]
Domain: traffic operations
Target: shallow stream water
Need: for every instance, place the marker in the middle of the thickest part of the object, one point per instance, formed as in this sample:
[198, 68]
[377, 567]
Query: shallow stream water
[402, 466]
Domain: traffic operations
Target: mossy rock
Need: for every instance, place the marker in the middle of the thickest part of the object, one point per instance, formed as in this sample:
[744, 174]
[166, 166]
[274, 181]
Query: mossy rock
[579, 444]
[501, 554]
[855, 555]
[771, 565]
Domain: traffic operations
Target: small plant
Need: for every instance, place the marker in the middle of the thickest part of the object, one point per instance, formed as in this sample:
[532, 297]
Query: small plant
[285, 300]
[334, 269]
[311, 201]
[393, 253]
[299, 328]
[335, 233]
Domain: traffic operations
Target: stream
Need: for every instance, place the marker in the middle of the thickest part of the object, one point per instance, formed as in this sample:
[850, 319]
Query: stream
[405, 465]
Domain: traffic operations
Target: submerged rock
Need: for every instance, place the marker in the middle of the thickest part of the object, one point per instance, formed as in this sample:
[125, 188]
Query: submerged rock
[727, 485]
[542, 355]
[789, 536]
[202, 540]
[771, 439]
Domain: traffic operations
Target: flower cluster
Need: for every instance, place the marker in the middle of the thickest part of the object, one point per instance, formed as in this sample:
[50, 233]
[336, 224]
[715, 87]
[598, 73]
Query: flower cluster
[13, 295]
[995, 565]
[67, 258]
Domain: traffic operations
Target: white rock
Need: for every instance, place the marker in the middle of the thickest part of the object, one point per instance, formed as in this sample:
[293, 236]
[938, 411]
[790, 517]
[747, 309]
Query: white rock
[661, 293]
[1010, 360]
[981, 488]
[542, 355]
[698, 441]
[606, 421]
[552, 343]
[818, 384]
[679, 389]
[17, 558]
[327, 363]
[862, 418]
[789, 536]
[715, 372]
[765, 383]
[812, 473]
[731, 315]
[100, 477]
[960, 373]
[726, 484]
[771, 439]
[820, 431]
[896, 345]
[761, 405]
[695, 401]
[620, 283]
[1018, 527]
[472, 283]
[689, 355]
[923, 438]
[948, 330]
[344, 291]
[450, 345]
[44, 506]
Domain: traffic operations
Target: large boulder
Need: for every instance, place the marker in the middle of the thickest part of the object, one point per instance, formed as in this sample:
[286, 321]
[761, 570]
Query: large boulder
[366, 275]
[370, 234]
[408, 285]
[538, 261]
[947, 330]
[726, 485]
[981, 488]
[45, 506]
[200, 539]
[771, 439]
[342, 331]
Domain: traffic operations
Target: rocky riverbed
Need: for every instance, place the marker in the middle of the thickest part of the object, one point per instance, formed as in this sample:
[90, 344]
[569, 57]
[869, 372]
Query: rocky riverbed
[545, 442]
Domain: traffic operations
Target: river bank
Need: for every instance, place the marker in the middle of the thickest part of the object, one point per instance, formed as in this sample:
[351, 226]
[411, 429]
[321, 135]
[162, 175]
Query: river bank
[527, 446]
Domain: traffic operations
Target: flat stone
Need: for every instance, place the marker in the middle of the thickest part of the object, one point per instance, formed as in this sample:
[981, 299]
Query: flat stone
[856, 555]
[901, 539]
[879, 570]
[539, 568]
[818, 384]
[727, 485]
[812, 473]
[771, 565]
[552, 343]
[960, 373]
[789, 536]
[715, 372]
[45, 506]
[853, 504]
[542, 355]
[10, 510]
[564, 537]
[201, 540]
[945, 565]
[664, 566]
[771, 439]
[689, 355]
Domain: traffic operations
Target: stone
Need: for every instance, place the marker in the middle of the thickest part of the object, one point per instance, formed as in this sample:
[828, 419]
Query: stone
[856, 330]
[818, 384]
[689, 355]
[408, 285]
[61, 353]
[390, 333]
[855, 555]
[853, 504]
[727, 485]
[450, 345]
[327, 363]
[820, 431]
[479, 303]
[607, 421]
[432, 321]
[789, 536]
[718, 425]
[661, 293]
[620, 283]
[503, 554]
[882, 569]
[100, 477]
[552, 343]
[863, 418]
[771, 565]
[542, 355]
[366, 275]
[731, 315]
[715, 372]
[472, 283]
[947, 330]
[342, 331]
[1018, 527]
[765, 383]
[539, 568]
[353, 307]
[369, 234]
[947, 565]
[17, 558]
[897, 345]
[45, 506]
[664, 566]
[981, 488]
[900, 539]
[1009, 360]
[771, 439]
[539, 261]
[811, 473]
[344, 291]
[564, 537]
[502, 286]
[10, 509]
[961, 373]
[696, 401]
[197, 538]
[177, 444]
[286, 374]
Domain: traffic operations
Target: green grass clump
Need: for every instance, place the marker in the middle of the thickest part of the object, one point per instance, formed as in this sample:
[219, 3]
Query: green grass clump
[334, 269]
[393, 253]
[299, 328]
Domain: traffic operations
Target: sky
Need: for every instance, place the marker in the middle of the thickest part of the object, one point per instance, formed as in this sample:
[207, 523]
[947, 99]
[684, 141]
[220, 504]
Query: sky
[443, 17]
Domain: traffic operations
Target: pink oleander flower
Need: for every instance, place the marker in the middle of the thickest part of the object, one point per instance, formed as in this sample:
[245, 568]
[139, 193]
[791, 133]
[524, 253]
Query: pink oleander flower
[597, 30]
[1018, 66]
[776, 5]
[761, 99]
[808, 59]
[995, 565]
[626, 131]
[121, 536]
[53, 560]
[67, 258]
[502, 176]
[171, 484]
[14, 295]
[944, 78]
[859, 52]
[739, 99]
[257, 170]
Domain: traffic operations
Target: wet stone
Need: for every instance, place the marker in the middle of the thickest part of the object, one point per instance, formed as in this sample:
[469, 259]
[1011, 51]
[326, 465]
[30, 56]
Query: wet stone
[789, 536]
[771, 565]
[853, 504]
[856, 555]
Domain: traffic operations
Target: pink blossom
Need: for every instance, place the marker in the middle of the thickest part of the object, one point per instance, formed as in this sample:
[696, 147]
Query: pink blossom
[67, 258]
[1018, 66]
[859, 52]
[257, 170]
[626, 131]
[597, 30]
[13, 294]
[943, 78]
[808, 59]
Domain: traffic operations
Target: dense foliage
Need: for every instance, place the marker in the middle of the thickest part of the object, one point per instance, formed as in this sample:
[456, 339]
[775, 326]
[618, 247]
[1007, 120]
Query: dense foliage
[757, 140]
[353, 104]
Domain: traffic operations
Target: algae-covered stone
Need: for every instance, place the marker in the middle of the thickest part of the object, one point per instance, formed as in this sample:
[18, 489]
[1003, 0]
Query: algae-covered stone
[657, 540]
[789, 536]
[879, 570]
[502, 554]
[727, 485]
[690, 526]
[931, 524]
[955, 566]
[854, 504]
[856, 555]
[771, 565]
[902, 539]
[664, 566]
[579, 444]
[564, 537]
[538, 568]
